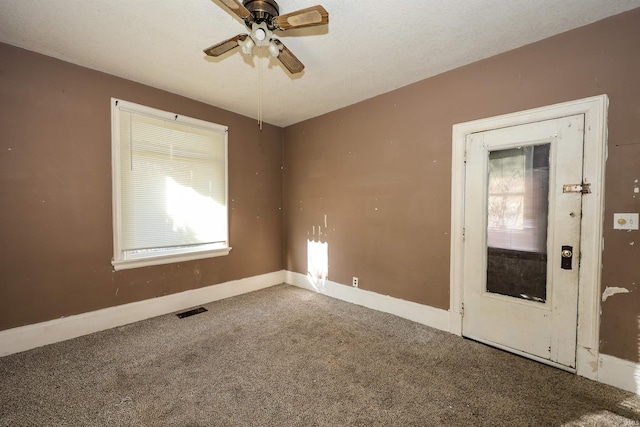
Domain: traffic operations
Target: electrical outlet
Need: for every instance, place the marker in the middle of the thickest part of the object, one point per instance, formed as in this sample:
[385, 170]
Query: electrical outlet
[355, 282]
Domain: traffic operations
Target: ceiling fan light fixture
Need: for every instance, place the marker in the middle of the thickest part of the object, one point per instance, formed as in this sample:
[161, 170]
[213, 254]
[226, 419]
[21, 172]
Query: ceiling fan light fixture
[247, 46]
[261, 34]
[274, 49]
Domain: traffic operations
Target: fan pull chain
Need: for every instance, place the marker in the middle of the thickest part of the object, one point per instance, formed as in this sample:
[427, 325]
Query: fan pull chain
[260, 89]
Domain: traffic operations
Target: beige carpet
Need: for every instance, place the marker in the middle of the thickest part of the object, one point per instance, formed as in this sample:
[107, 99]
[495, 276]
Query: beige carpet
[289, 357]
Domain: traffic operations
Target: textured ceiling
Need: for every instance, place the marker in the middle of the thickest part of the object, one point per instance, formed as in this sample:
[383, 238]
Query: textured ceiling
[368, 48]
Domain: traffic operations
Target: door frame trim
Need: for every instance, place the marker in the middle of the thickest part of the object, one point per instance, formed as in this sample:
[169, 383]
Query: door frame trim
[595, 110]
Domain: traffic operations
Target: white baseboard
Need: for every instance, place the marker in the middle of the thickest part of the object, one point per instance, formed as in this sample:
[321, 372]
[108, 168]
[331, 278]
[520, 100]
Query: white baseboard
[610, 370]
[430, 316]
[619, 373]
[31, 336]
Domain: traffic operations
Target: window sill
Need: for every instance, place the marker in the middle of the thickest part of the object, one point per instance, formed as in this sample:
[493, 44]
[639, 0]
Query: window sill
[125, 264]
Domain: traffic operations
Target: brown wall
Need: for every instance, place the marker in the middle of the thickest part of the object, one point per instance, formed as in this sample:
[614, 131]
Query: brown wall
[55, 193]
[380, 170]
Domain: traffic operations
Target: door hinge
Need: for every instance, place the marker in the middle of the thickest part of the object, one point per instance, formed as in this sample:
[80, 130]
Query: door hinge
[464, 231]
[577, 188]
[462, 309]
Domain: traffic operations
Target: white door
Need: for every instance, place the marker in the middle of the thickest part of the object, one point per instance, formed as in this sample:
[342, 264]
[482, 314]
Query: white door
[522, 238]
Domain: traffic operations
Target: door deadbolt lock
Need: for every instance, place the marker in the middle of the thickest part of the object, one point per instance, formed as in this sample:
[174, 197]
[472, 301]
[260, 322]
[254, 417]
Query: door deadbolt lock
[566, 257]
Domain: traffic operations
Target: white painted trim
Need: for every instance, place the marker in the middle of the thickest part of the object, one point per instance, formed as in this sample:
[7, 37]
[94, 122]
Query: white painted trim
[619, 373]
[434, 317]
[159, 260]
[586, 359]
[595, 111]
[31, 336]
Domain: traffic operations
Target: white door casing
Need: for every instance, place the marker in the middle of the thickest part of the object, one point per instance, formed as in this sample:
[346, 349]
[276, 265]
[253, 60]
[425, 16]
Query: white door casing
[541, 325]
[594, 110]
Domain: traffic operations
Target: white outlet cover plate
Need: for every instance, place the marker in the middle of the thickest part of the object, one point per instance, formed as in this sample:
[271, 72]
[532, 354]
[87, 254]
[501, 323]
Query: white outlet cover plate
[625, 221]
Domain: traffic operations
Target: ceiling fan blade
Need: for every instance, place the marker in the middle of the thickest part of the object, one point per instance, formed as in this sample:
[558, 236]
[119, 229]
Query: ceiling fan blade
[309, 17]
[238, 9]
[288, 59]
[225, 46]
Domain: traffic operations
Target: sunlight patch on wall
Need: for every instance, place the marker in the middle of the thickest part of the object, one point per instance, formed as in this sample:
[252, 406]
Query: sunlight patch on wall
[318, 259]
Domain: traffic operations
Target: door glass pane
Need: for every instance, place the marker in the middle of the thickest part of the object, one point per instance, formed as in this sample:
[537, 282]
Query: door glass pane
[518, 202]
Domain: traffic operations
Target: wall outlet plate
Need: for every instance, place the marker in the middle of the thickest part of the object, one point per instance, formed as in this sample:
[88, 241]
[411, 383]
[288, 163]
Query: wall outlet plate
[625, 221]
[355, 282]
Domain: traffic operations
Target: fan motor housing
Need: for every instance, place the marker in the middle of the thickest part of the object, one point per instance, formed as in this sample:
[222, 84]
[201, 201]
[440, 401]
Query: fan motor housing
[262, 10]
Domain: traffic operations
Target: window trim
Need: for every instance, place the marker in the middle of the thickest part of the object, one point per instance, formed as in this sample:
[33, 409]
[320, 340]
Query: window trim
[119, 260]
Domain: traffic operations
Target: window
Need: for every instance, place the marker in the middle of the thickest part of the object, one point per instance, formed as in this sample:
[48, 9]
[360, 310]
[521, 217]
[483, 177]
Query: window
[169, 187]
[517, 206]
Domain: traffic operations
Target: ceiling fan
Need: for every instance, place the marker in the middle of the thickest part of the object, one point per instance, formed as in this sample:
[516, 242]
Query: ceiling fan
[262, 18]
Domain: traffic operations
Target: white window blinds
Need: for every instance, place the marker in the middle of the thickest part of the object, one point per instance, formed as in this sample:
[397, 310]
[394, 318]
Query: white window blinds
[172, 184]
